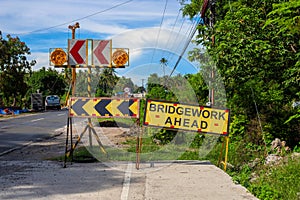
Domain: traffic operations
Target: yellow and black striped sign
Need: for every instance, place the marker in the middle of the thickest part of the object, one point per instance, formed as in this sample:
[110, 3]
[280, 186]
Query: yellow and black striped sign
[104, 107]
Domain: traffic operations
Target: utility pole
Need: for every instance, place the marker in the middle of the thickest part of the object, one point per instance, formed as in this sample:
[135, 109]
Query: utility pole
[143, 89]
[143, 82]
[73, 28]
[212, 22]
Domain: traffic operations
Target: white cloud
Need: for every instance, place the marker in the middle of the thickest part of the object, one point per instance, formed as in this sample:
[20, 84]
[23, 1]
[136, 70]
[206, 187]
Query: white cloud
[151, 38]
[42, 60]
[134, 25]
[19, 16]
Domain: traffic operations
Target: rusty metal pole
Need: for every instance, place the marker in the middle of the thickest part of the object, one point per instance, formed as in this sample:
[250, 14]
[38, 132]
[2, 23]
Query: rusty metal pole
[73, 28]
[73, 84]
[212, 23]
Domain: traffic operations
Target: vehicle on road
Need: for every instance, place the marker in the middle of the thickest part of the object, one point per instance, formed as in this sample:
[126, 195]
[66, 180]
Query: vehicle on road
[52, 102]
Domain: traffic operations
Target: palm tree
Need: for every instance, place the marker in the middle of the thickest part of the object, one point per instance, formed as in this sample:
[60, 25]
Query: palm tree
[163, 63]
[107, 80]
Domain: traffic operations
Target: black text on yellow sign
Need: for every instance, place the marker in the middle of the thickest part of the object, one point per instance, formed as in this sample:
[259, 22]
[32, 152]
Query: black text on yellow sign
[172, 115]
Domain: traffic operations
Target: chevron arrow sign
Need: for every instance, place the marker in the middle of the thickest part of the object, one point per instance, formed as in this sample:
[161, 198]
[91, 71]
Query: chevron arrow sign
[77, 52]
[102, 52]
[104, 107]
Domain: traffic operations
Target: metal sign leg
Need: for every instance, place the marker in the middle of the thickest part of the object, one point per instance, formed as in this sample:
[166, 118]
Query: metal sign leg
[139, 146]
[221, 161]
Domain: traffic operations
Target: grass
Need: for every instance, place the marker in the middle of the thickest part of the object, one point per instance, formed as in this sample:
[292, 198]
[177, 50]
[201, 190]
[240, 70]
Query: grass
[120, 122]
[278, 182]
[150, 152]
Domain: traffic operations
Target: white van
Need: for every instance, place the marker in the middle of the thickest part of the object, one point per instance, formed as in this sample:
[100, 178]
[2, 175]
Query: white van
[52, 102]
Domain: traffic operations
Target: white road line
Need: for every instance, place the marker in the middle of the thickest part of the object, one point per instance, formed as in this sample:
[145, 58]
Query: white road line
[61, 114]
[126, 183]
[4, 127]
[35, 120]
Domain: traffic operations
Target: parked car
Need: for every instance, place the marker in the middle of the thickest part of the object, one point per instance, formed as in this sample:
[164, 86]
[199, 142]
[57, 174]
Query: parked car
[52, 102]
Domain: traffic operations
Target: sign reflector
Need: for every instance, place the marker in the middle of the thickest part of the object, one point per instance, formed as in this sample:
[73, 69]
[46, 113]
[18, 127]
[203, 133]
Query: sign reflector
[120, 57]
[58, 57]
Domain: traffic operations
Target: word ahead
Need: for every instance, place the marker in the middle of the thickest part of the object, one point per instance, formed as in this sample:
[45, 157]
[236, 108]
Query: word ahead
[172, 115]
[104, 107]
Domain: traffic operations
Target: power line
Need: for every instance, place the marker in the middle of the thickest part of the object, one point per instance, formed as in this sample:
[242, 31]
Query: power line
[78, 19]
[187, 32]
[192, 33]
[163, 16]
[175, 41]
[171, 32]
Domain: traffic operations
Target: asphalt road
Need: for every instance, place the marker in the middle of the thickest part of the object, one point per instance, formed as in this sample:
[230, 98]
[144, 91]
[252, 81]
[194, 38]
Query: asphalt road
[21, 130]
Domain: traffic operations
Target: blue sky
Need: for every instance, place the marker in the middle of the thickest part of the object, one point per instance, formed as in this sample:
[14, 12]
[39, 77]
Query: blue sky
[148, 28]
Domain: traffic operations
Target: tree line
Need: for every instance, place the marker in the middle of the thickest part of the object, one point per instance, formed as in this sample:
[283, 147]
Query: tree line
[255, 48]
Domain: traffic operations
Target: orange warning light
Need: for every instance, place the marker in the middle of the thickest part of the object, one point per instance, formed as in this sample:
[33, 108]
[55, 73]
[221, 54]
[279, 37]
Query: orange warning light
[58, 57]
[120, 57]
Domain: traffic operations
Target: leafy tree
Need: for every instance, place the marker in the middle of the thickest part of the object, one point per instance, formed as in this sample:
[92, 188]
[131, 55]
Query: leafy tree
[47, 82]
[255, 50]
[199, 87]
[107, 82]
[13, 69]
[122, 83]
[82, 82]
[140, 89]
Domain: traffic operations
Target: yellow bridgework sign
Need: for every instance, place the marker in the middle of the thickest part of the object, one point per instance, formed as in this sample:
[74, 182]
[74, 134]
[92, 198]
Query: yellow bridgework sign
[104, 107]
[172, 115]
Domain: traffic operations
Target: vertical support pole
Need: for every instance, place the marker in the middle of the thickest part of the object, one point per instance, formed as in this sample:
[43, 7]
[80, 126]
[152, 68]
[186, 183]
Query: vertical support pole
[226, 152]
[226, 144]
[73, 85]
[71, 135]
[73, 28]
[212, 22]
[139, 138]
[89, 95]
[67, 140]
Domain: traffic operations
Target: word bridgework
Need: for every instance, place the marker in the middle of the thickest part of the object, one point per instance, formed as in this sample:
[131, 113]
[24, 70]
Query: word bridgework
[197, 118]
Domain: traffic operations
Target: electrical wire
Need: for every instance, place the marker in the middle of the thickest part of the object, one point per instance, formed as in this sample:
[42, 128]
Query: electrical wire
[78, 19]
[187, 32]
[168, 41]
[163, 16]
[170, 57]
[259, 120]
[191, 35]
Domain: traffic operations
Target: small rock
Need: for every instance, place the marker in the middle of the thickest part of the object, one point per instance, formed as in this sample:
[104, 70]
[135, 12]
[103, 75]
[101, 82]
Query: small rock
[254, 163]
[273, 159]
[295, 155]
[156, 141]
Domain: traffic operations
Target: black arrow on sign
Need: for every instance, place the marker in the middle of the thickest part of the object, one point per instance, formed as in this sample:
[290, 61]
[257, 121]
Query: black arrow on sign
[124, 108]
[100, 107]
[77, 107]
[131, 101]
